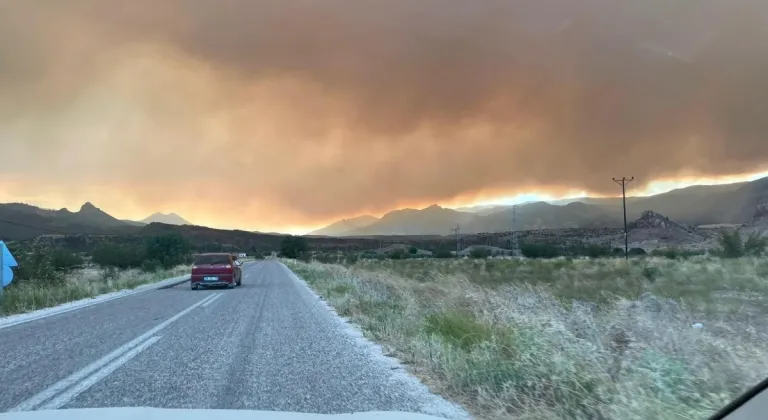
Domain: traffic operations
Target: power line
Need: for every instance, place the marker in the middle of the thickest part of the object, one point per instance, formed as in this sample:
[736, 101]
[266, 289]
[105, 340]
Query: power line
[623, 182]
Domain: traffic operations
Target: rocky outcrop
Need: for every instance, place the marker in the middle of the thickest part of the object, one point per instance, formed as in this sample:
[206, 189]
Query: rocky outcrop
[652, 220]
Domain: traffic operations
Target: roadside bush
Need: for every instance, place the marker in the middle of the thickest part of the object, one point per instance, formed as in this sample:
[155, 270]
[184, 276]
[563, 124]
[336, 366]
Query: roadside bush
[168, 250]
[120, 256]
[369, 255]
[755, 245]
[597, 251]
[443, 253]
[413, 250]
[671, 253]
[636, 252]
[294, 247]
[35, 267]
[351, 258]
[480, 253]
[732, 246]
[540, 250]
[397, 254]
[150, 266]
[63, 260]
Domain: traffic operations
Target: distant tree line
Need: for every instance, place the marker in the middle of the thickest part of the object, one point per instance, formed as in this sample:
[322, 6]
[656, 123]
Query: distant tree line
[50, 265]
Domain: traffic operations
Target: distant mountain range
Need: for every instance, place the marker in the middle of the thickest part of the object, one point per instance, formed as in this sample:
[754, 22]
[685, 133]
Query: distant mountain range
[20, 221]
[696, 205]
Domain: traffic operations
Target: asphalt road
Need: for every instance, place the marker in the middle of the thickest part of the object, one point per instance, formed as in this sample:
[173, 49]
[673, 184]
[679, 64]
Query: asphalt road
[268, 345]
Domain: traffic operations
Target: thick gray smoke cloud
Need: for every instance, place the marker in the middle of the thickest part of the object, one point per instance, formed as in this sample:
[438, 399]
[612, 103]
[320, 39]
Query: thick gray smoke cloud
[293, 112]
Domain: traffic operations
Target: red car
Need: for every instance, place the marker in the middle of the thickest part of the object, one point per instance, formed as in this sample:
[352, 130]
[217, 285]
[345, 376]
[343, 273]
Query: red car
[216, 269]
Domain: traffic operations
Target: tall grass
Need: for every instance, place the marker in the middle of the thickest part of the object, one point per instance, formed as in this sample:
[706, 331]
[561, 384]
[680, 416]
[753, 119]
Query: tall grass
[29, 295]
[582, 339]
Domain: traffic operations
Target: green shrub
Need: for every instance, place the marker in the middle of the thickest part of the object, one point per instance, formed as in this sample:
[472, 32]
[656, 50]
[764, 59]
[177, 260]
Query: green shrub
[480, 253]
[540, 250]
[294, 247]
[64, 260]
[731, 245]
[121, 256]
[168, 250]
[397, 254]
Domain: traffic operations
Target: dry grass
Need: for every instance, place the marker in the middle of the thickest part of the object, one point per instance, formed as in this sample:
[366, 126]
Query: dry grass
[26, 296]
[584, 339]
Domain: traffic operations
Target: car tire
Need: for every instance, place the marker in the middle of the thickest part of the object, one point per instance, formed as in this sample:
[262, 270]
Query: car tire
[239, 281]
[231, 285]
[193, 286]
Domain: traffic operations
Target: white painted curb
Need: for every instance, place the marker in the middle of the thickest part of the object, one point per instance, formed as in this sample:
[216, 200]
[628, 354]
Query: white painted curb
[12, 320]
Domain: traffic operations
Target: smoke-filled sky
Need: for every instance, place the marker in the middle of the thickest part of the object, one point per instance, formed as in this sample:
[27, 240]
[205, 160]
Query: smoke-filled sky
[272, 114]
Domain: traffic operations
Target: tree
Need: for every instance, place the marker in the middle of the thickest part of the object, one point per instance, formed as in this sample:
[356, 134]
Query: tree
[293, 247]
[169, 250]
[118, 256]
[732, 246]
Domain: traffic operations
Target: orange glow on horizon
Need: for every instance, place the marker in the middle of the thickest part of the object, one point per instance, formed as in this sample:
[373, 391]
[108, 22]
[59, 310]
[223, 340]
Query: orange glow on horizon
[652, 188]
[129, 212]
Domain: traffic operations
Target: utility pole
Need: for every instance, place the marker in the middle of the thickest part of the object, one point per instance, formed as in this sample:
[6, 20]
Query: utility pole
[623, 182]
[456, 231]
[514, 231]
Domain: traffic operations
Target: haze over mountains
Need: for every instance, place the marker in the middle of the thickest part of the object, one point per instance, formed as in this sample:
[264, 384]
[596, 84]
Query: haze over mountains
[696, 205]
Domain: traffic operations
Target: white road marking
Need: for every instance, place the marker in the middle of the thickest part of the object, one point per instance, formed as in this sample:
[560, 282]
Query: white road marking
[78, 389]
[215, 296]
[53, 390]
[12, 320]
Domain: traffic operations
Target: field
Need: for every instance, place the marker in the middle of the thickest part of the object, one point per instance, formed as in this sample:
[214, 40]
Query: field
[25, 296]
[564, 339]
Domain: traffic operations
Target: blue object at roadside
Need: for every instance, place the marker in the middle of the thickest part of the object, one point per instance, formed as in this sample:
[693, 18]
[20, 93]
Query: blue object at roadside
[6, 262]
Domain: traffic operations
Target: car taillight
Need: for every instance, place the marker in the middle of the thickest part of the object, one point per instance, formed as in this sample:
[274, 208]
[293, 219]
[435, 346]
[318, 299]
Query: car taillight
[228, 266]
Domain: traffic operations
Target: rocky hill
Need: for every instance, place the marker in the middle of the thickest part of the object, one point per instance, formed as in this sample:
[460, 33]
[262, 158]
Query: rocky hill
[20, 221]
[654, 230]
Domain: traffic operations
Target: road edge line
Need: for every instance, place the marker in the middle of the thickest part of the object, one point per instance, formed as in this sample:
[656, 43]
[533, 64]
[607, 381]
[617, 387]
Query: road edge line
[16, 319]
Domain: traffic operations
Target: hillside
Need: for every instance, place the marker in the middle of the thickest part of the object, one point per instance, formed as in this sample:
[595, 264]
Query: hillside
[169, 219]
[20, 221]
[696, 205]
[433, 220]
[343, 226]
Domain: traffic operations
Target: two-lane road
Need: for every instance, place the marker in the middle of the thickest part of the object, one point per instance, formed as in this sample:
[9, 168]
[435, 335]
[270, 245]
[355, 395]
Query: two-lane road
[268, 345]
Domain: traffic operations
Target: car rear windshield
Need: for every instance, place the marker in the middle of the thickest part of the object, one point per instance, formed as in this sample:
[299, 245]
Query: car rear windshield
[212, 259]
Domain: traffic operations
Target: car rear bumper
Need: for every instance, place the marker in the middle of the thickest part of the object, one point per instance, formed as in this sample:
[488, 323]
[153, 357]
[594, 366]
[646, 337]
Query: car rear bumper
[221, 280]
[212, 284]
